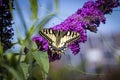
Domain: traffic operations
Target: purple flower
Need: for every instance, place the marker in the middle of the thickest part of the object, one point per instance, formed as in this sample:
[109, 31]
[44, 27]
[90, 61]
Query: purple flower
[87, 18]
[92, 14]
[74, 23]
[6, 22]
[75, 48]
[41, 43]
[106, 6]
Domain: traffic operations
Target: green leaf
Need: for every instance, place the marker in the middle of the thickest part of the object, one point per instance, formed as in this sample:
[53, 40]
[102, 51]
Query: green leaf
[11, 7]
[42, 60]
[13, 72]
[34, 46]
[21, 56]
[29, 58]
[24, 68]
[36, 72]
[20, 40]
[30, 32]
[9, 56]
[12, 59]
[56, 6]
[34, 8]
[1, 49]
[30, 45]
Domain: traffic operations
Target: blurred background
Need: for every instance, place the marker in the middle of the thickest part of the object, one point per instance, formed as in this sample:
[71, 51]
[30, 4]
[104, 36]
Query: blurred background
[99, 56]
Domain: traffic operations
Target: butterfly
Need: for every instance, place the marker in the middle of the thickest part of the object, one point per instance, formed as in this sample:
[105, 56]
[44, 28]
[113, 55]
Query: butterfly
[59, 40]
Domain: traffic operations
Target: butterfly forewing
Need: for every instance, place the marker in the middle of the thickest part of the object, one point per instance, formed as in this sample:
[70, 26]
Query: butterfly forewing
[70, 37]
[48, 35]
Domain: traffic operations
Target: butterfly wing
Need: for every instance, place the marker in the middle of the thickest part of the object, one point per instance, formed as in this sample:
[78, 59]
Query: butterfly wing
[59, 40]
[69, 37]
[48, 35]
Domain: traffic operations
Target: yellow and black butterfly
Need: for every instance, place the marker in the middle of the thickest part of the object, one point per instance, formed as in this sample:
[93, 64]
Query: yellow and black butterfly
[58, 40]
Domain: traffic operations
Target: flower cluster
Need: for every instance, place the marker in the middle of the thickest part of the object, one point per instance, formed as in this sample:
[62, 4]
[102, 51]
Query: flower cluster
[88, 17]
[106, 6]
[6, 30]
[92, 15]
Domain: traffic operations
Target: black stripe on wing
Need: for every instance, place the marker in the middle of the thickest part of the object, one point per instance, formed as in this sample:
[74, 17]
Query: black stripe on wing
[44, 33]
[75, 36]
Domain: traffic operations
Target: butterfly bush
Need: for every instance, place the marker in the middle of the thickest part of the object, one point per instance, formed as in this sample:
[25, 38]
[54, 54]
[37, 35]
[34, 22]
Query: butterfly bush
[86, 18]
[6, 22]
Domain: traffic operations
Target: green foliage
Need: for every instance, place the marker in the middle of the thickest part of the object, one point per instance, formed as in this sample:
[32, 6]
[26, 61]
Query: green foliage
[24, 68]
[28, 63]
[56, 5]
[34, 8]
[15, 74]
[1, 49]
[42, 60]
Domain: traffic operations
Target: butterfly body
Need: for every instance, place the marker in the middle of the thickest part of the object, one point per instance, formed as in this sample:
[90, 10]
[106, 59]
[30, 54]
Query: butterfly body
[58, 40]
